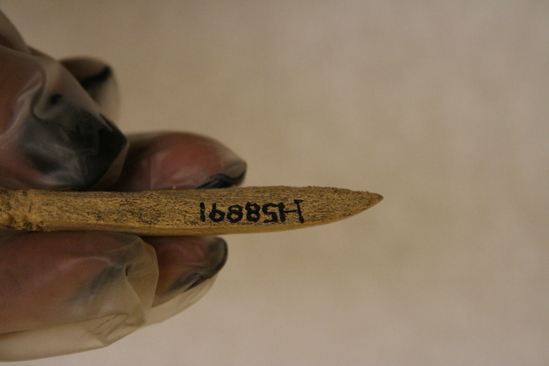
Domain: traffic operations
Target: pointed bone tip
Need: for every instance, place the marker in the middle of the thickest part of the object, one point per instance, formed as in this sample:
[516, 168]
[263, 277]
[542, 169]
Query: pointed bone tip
[376, 198]
[368, 199]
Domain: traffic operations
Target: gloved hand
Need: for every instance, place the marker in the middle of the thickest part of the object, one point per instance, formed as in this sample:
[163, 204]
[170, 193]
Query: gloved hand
[65, 292]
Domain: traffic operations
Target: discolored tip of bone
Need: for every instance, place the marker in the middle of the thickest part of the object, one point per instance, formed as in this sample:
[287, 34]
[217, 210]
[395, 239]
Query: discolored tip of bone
[334, 204]
[368, 199]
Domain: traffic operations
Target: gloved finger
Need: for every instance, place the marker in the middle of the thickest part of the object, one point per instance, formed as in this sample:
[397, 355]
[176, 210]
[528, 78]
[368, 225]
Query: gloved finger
[188, 266]
[52, 133]
[98, 80]
[176, 160]
[67, 292]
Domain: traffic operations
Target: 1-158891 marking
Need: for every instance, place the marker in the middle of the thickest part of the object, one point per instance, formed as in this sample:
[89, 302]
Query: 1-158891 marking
[251, 212]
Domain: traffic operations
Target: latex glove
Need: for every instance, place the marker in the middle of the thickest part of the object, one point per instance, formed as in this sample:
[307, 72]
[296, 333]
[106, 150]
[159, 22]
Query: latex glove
[65, 292]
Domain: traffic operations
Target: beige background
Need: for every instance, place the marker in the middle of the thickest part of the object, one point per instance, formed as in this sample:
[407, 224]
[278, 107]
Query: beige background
[440, 106]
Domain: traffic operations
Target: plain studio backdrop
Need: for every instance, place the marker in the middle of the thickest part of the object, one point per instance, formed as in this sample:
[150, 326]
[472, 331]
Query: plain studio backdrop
[440, 106]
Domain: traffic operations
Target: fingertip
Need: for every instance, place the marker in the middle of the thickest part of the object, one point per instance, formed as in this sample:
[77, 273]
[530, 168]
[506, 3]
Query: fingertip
[186, 262]
[188, 267]
[176, 160]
